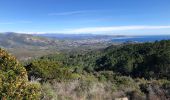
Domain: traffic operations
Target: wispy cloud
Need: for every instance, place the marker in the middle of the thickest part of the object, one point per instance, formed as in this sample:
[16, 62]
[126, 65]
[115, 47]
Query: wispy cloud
[72, 13]
[115, 28]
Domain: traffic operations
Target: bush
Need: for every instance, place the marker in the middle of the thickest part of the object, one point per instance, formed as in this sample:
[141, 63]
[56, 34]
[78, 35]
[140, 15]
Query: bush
[13, 80]
[49, 70]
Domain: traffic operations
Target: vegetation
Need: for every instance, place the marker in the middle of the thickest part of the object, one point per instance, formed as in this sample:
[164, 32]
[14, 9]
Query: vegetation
[14, 84]
[138, 71]
[48, 70]
[133, 70]
[148, 60]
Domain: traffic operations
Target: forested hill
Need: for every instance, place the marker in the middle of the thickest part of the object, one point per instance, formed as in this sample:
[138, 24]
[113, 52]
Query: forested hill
[149, 60]
[137, 71]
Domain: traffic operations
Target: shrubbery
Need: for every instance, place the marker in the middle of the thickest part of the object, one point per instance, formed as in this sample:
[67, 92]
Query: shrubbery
[14, 84]
[49, 70]
[148, 60]
[130, 69]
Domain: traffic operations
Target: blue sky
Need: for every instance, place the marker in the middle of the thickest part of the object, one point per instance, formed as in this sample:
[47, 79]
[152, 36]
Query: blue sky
[137, 17]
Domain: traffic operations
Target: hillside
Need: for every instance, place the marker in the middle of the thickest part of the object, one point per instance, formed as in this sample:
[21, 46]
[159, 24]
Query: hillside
[10, 40]
[149, 60]
[26, 46]
[137, 71]
[77, 69]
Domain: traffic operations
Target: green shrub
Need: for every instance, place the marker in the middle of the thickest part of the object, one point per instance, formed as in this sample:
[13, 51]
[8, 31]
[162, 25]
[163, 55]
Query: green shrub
[13, 80]
[49, 70]
[102, 78]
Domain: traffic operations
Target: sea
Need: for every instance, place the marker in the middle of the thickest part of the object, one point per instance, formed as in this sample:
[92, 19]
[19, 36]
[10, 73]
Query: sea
[141, 38]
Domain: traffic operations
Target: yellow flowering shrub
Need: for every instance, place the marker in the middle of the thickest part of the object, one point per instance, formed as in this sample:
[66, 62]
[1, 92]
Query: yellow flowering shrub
[14, 84]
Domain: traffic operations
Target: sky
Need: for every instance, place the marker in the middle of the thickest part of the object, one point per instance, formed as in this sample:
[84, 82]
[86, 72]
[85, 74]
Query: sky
[117, 17]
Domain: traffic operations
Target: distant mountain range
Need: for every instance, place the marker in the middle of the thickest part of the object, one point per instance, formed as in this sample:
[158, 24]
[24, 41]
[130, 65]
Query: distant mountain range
[10, 40]
[77, 36]
[25, 46]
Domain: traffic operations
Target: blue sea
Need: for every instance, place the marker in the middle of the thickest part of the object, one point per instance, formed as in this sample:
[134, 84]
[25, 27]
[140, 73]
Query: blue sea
[141, 38]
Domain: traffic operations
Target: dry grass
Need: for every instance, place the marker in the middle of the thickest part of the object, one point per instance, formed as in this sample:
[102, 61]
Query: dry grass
[79, 90]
